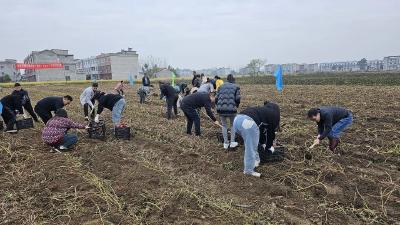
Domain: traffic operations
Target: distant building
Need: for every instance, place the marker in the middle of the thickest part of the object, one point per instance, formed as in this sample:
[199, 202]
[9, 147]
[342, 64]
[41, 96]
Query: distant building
[375, 65]
[88, 67]
[7, 67]
[391, 63]
[118, 66]
[184, 72]
[68, 72]
[348, 66]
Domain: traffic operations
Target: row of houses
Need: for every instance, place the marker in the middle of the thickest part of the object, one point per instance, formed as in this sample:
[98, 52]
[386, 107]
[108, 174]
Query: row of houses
[389, 63]
[116, 66]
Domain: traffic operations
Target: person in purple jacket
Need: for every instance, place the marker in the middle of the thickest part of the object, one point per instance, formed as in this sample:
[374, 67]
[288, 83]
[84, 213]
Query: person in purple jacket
[55, 133]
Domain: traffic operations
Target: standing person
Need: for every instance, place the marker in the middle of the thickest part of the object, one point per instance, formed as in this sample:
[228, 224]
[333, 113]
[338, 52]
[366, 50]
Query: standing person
[172, 98]
[203, 78]
[189, 106]
[44, 107]
[115, 103]
[87, 100]
[227, 102]
[197, 81]
[219, 82]
[146, 83]
[11, 106]
[331, 121]
[257, 125]
[25, 100]
[119, 88]
[55, 133]
[194, 78]
[206, 87]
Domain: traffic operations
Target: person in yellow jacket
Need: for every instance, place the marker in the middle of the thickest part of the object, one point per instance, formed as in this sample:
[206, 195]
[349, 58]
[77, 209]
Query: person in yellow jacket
[218, 82]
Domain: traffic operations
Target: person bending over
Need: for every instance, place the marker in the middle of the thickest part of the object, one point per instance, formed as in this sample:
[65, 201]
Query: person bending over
[172, 98]
[115, 103]
[25, 100]
[46, 106]
[87, 100]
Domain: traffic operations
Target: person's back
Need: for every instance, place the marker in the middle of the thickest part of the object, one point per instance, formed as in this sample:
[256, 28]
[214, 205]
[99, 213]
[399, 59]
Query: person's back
[146, 81]
[12, 102]
[50, 103]
[167, 90]
[228, 99]
[206, 88]
[108, 101]
[333, 114]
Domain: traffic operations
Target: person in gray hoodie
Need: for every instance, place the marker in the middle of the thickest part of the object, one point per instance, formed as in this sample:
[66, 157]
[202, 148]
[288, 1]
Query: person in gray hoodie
[227, 102]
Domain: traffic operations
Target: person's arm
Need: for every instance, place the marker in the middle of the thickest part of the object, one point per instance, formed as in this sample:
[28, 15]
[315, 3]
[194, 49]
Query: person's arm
[75, 125]
[270, 137]
[29, 109]
[18, 105]
[263, 135]
[320, 128]
[210, 114]
[100, 108]
[237, 97]
[327, 127]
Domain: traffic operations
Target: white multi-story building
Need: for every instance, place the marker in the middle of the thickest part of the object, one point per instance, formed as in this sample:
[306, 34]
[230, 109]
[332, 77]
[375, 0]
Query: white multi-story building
[7, 67]
[88, 67]
[118, 66]
[349, 66]
[68, 72]
[391, 63]
[375, 65]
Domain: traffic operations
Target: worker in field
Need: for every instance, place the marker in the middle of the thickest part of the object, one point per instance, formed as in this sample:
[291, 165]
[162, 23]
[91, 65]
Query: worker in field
[87, 100]
[206, 87]
[55, 133]
[146, 83]
[227, 102]
[218, 82]
[114, 102]
[189, 106]
[257, 126]
[194, 78]
[11, 107]
[46, 106]
[119, 88]
[25, 100]
[171, 96]
[331, 121]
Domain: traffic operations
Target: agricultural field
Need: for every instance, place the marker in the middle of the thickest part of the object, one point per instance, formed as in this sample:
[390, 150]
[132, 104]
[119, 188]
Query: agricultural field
[162, 176]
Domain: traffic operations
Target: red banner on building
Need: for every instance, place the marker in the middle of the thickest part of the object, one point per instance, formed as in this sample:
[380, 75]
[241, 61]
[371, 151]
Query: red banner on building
[39, 66]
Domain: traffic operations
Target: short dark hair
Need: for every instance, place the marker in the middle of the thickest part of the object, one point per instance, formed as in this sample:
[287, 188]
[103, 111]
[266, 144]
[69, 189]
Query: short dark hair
[68, 97]
[230, 78]
[266, 102]
[312, 112]
[95, 85]
[17, 85]
[61, 113]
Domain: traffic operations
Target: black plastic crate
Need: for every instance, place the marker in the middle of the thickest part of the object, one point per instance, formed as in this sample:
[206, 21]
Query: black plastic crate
[97, 130]
[238, 138]
[123, 133]
[24, 123]
[267, 157]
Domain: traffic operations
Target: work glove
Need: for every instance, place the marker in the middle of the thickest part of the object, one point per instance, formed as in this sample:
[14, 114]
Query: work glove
[87, 127]
[96, 119]
[24, 116]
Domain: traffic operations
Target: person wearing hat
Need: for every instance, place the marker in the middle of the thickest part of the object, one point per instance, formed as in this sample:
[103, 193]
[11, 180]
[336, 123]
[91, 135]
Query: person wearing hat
[55, 133]
[87, 100]
[25, 100]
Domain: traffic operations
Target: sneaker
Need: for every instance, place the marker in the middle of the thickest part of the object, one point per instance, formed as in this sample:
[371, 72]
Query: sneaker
[226, 146]
[11, 130]
[257, 164]
[62, 147]
[233, 144]
[86, 118]
[254, 174]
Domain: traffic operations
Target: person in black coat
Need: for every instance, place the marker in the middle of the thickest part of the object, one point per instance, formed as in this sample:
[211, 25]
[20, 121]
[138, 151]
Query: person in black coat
[11, 106]
[114, 102]
[46, 106]
[189, 106]
[172, 98]
[25, 100]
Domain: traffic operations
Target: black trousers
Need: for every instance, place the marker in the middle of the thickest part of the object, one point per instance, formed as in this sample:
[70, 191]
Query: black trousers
[192, 116]
[29, 109]
[8, 117]
[172, 103]
[86, 109]
[43, 114]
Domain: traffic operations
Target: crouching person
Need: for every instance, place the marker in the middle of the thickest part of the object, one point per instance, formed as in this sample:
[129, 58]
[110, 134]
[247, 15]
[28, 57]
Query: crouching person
[257, 125]
[115, 103]
[331, 121]
[55, 133]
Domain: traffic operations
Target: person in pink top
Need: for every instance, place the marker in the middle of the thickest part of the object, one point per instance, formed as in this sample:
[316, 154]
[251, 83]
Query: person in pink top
[120, 88]
[55, 133]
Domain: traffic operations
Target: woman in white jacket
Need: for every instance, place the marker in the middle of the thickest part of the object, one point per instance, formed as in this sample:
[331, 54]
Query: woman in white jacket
[87, 99]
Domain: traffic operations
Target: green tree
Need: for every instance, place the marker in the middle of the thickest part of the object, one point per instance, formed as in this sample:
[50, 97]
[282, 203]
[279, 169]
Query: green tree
[5, 78]
[363, 64]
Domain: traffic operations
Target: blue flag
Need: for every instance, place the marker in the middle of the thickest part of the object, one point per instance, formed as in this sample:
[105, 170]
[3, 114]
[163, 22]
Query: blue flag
[1, 108]
[278, 78]
[131, 80]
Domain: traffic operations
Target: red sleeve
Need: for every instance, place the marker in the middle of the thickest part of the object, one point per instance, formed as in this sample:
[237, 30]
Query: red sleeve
[75, 125]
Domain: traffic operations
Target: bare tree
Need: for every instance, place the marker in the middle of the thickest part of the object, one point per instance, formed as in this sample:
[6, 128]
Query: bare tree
[150, 65]
[255, 66]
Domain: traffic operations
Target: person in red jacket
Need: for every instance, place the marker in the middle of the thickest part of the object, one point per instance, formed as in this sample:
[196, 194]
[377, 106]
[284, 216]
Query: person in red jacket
[55, 133]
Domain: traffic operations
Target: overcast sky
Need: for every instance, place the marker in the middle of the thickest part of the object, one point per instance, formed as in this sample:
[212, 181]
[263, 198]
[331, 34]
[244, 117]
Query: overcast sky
[206, 33]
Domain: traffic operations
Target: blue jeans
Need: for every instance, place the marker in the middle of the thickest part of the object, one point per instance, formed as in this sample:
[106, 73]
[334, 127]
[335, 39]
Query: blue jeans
[117, 111]
[250, 133]
[340, 126]
[69, 140]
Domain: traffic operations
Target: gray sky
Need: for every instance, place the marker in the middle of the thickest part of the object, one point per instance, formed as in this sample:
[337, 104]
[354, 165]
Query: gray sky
[206, 33]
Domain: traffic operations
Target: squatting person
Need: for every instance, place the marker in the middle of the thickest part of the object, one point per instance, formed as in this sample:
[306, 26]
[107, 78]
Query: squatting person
[25, 100]
[55, 133]
[227, 102]
[331, 121]
[257, 126]
[189, 106]
[11, 106]
[87, 100]
[44, 107]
